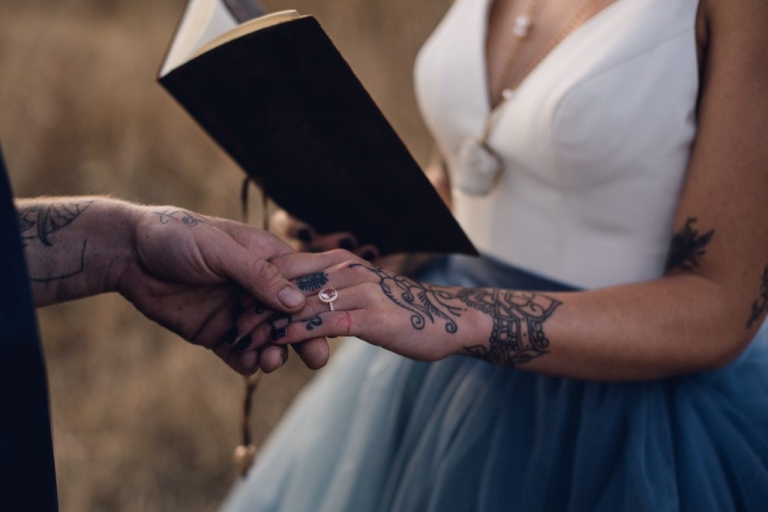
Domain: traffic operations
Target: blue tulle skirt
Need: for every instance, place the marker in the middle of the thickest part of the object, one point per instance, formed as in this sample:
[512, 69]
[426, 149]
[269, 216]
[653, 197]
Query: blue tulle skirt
[377, 432]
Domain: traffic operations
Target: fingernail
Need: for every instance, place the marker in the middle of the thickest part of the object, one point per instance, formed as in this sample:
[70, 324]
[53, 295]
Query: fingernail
[277, 334]
[291, 297]
[368, 255]
[305, 235]
[347, 244]
[243, 343]
[281, 362]
[230, 337]
[250, 361]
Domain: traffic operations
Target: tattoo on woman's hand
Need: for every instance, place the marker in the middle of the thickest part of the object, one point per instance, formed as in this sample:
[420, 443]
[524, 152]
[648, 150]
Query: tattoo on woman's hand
[518, 317]
[312, 282]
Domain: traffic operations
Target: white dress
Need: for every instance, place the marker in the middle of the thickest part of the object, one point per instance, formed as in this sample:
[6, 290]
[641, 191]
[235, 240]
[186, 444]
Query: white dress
[595, 144]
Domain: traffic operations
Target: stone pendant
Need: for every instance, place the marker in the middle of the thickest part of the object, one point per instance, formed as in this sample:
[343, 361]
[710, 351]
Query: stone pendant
[477, 168]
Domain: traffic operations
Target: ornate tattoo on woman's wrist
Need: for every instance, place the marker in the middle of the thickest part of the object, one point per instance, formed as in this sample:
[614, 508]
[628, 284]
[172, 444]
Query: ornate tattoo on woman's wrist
[688, 247]
[518, 317]
[518, 324]
[760, 305]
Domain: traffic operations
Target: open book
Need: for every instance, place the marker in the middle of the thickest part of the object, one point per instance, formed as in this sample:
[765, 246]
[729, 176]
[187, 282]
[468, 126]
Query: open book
[276, 94]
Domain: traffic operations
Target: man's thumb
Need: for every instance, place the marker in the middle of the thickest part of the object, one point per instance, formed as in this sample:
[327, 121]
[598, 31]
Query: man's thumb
[265, 282]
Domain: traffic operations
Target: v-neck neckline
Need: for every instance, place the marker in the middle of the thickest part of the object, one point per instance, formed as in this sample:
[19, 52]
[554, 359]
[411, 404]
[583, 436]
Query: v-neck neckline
[560, 47]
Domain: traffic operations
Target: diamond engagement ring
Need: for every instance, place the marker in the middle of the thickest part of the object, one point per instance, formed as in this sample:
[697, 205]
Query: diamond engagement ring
[328, 295]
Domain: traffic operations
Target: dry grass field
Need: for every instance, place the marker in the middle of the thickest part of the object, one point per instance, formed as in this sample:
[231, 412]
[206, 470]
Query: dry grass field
[141, 420]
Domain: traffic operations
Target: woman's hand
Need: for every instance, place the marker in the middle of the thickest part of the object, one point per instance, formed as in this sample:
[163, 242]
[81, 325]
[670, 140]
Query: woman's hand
[413, 319]
[303, 238]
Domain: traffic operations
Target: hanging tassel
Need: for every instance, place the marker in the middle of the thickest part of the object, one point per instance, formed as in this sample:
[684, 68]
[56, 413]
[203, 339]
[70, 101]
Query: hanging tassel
[245, 454]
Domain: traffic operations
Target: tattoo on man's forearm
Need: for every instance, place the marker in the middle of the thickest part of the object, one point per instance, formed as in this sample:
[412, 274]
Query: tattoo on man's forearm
[688, 247]
[40, 221]
[75, 270]
[423, 301]
[518, 324]
[312, 282]
[38, 224]
[760, 305]
[180, 215]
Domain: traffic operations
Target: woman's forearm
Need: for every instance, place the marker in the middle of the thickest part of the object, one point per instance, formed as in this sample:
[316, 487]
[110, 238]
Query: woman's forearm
[75, 246]
[650, 330]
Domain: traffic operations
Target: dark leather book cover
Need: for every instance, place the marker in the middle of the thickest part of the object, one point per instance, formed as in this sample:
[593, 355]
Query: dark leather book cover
[286, 106]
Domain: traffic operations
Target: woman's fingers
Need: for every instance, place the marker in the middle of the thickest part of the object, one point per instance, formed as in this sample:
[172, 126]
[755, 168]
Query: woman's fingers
[272, 329]
[305, 239]
[314, 352]
[296, 266]
[368, 252]
[287, 226]
[271, 357]
[245, 364]
[341, 240]
[311, 322]
[330, 324]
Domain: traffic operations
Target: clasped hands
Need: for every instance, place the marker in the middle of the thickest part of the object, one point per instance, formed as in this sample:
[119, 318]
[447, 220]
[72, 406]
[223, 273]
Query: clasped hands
[239, 291]
[414, 319]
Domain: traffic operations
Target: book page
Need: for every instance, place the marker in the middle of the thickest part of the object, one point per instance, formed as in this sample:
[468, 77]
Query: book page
[268, 20]
[203, 21]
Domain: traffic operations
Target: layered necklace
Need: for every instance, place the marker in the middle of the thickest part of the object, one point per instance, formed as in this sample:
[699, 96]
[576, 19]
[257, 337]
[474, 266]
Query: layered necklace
[478, 166]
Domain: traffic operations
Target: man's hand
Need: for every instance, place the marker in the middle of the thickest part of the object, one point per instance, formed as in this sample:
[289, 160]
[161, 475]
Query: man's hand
[191, 274]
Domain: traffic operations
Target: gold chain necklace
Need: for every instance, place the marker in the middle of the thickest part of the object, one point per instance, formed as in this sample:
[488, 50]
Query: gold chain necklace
[478, 166]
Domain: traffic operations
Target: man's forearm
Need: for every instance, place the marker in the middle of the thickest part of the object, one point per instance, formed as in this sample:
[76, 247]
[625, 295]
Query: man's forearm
[75, 246]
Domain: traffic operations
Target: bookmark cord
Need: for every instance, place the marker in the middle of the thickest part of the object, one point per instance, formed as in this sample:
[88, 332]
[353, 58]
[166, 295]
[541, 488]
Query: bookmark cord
[245, 453]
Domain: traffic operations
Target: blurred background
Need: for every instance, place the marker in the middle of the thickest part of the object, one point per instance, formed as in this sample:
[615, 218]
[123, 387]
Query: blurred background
[141, 420]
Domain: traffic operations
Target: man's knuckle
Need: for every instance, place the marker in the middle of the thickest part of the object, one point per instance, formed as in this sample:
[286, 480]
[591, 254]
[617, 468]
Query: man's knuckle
[264, 271]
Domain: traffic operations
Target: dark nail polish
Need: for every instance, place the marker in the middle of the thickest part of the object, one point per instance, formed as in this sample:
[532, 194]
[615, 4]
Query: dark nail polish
[230, 337]
[368, 255]
[277, 334]
[305, 235]
[243, 343]
[347, 244]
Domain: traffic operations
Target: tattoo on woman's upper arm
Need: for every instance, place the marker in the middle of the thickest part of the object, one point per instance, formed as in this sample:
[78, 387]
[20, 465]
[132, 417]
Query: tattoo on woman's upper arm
[760, 305]
[688, 247]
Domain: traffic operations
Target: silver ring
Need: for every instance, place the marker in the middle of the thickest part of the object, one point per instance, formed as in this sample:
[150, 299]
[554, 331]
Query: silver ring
[328, 295]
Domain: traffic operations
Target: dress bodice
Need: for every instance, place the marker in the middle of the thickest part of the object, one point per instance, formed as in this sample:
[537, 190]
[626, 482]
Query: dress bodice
[595, 141]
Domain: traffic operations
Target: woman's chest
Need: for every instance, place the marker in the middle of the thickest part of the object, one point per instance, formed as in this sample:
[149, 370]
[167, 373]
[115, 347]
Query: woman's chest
[622, 84]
